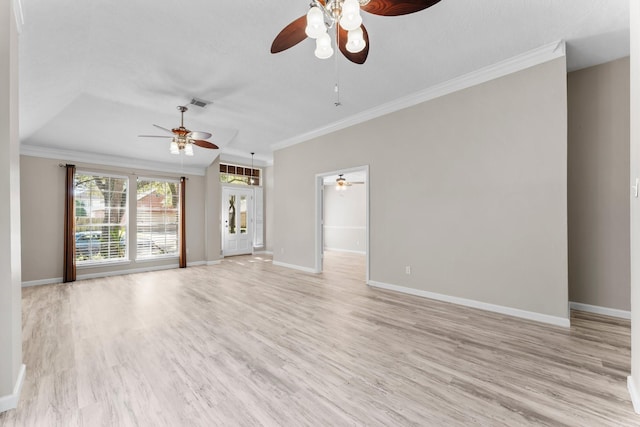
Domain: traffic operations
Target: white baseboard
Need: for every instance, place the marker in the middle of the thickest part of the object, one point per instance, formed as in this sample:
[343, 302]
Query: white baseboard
[131, 271]
[516, 312]
[42, 282]
[263, 253]
[613, 312]
[113, 273]
[348, 251]
[295, 267]
[196, 263]
[633, 392]
[214, 262]
[11, 401]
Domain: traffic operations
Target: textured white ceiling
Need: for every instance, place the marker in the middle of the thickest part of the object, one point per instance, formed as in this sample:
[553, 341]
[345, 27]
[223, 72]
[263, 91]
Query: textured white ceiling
[95, 74]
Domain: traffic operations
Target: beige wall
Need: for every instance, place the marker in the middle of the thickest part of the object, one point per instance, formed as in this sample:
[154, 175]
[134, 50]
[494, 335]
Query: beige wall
[10, 292]
[598, 189]
[268, 208]
[483, 171]
[42, 189]
[345, 218]
[212, 197]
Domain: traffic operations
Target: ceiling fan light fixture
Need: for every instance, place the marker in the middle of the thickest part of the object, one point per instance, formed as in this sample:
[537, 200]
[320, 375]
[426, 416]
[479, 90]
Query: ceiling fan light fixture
[355, 40]
[325, 15]
[351, 18]
[315, 23]
[188, 149]
[341, 183]
[323, 47]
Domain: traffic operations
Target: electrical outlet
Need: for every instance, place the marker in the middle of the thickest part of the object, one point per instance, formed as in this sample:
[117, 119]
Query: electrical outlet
[407, 269]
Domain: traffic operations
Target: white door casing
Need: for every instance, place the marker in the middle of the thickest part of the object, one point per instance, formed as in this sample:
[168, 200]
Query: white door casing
[319, 217]
[258, 203]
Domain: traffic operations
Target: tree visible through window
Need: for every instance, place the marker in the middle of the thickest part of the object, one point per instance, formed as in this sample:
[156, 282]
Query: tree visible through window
[100, 217]
[157, 218]
[232, 174]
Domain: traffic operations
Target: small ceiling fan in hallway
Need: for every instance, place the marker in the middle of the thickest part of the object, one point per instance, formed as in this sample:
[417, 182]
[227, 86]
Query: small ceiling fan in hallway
[183, 139]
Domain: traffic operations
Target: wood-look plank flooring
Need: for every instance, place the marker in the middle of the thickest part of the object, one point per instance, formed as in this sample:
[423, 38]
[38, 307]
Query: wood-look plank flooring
[248, 343]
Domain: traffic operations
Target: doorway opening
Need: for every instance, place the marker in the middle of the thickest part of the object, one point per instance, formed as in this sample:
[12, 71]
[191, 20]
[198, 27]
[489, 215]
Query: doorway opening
[342, 216]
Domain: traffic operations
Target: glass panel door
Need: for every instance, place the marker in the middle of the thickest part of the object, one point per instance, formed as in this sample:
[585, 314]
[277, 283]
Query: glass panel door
[237, 221]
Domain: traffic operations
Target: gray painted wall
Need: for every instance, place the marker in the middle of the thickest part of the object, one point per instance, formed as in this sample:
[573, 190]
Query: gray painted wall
[42, 185]
[10, 291]
[345, 218]
[483, 170]
[598, 185]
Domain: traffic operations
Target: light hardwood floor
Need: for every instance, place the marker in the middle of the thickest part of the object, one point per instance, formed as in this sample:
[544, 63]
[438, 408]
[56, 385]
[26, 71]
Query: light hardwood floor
[249, 343]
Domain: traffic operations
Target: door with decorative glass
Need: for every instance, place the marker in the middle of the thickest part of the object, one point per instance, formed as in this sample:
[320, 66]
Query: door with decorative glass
[237, 221]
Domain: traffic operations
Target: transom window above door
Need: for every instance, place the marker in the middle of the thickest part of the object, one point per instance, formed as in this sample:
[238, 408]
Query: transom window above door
[234, 174]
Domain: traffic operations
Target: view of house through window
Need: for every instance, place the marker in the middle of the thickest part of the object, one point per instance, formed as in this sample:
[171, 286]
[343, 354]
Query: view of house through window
[101, 217]
[157, 218]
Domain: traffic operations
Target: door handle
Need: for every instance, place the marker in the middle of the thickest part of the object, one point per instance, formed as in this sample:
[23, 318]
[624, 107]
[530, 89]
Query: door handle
[635, 187]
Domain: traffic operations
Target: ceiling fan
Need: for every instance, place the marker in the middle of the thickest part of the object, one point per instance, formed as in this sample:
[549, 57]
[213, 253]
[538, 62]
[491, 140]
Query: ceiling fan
[342, 183]
[182, 138]
[351, 35]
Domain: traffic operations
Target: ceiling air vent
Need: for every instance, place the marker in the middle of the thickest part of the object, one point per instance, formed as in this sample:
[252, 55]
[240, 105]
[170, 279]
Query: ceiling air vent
[199, 102]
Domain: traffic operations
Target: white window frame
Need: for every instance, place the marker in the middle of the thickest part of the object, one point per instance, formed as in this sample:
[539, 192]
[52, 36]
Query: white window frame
[110, 261]
[153, 257]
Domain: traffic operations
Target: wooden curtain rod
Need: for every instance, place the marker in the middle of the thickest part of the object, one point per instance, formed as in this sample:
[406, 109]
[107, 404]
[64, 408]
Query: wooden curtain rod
[149, 175]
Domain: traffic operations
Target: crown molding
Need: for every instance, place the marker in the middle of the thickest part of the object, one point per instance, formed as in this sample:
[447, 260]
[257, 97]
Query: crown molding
[520, 62]
[107, 160]
[241, 157]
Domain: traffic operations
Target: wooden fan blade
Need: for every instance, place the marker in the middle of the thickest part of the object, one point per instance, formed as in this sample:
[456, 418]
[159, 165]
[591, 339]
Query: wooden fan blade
[154, 136]
[164, 129]
[204, 144]
[290, 35]
[397, 7]
[359, 57]
[199, 135]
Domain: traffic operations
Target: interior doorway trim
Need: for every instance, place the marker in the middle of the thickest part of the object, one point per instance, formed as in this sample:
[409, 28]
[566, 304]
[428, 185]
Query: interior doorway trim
[320, 209]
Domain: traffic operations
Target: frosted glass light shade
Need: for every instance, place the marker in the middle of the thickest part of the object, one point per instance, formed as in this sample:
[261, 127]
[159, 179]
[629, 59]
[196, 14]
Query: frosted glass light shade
[173, 148]
[188, 149]
[355, 40]
[315, 23]
[323, 47]
[351, 18]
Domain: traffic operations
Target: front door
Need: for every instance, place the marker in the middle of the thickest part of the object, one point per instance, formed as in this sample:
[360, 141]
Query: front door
[237, 221]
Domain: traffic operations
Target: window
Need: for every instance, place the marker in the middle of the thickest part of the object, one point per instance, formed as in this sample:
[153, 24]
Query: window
[233, 174]
[157, 218]
[101, 217]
